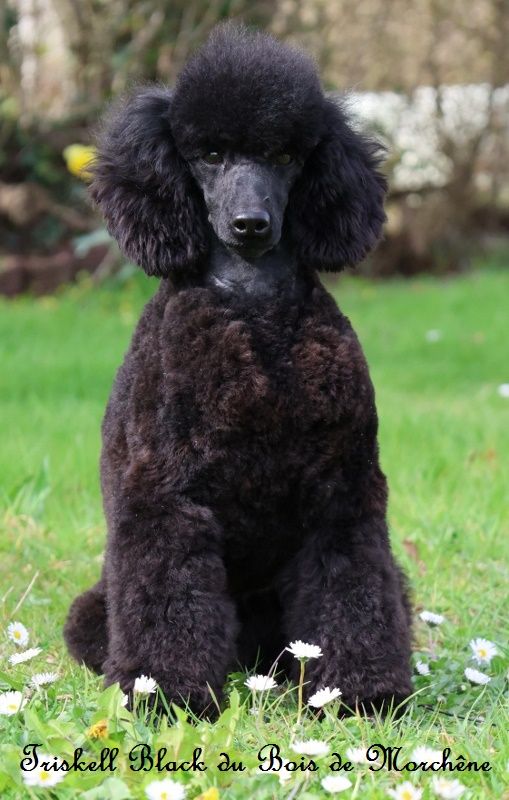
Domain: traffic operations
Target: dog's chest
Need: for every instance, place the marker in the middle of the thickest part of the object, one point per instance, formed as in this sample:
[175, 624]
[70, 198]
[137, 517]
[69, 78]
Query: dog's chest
[262, 375]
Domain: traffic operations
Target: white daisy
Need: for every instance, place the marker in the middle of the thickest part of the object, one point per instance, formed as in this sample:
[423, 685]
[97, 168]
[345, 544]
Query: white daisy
[426, 755]
[312, 747]
[405, 791]
[357, 755]
[165, 790]
[503, 390]
[43, 678]
[433, 335]
[18, 634]
[483, 650]
[40, 776]
[422, 668]
[145, 685]
[335, 783]
[260, 683]
[474, 676]
[324, 696]
[11, 703]
[302, 650]
[282, 773]
[124, 700]
[431, 618]
[25, 655]
[448, 790]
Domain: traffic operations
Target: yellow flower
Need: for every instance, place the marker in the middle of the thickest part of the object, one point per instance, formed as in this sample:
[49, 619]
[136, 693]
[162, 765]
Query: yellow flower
[209, 794]
[99, 730]
[78, 157]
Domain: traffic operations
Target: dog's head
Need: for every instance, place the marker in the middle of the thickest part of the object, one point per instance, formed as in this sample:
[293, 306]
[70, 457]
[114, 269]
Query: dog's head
[246, 146]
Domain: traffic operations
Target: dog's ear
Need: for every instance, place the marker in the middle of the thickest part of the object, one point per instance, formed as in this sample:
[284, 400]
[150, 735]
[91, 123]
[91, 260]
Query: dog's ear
[336, 207]
[144, 188]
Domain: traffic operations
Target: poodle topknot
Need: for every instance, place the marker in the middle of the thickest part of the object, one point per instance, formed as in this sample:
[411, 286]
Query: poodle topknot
[245, 503]
[248, 92]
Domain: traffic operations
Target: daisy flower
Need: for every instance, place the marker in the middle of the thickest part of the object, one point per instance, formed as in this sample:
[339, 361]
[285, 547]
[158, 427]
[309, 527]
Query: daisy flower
[483, 650]
[282, 773]
[448, 790]
[43, 678]
[18, 634]
[165, 790]
[335, 783]
[260, 683]
[433, 335]
[406, 791]
[357, 755]
[422, 668]
[145, 685]
[312, 747]
[474, 676]
[426, 755]
[11, 703]
[324, 696]
[503, 390]
[25, 655]
[40, 776]
[302, 650]
[431, 618]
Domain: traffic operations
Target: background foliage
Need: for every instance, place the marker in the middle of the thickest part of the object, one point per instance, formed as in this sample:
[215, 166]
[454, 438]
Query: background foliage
[427, 77]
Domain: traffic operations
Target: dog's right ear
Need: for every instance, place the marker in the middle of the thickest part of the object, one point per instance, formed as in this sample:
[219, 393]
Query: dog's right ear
[145, 190]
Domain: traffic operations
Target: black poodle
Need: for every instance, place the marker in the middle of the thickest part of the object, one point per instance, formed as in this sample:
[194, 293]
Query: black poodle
[243, 494]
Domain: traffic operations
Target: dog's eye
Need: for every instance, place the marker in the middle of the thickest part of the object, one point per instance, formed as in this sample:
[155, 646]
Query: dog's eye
[213, 157]
[282, 159]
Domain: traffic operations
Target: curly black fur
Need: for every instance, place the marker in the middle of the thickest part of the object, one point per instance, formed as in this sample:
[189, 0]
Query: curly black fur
[243, 494]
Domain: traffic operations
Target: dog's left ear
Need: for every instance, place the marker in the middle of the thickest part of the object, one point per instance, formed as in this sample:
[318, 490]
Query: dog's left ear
[336, 207]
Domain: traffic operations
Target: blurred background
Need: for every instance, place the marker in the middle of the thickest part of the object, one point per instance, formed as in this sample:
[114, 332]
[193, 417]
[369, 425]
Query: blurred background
[429, 77]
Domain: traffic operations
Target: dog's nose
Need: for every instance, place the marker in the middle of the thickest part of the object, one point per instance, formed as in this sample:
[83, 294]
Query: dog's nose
[251, 224]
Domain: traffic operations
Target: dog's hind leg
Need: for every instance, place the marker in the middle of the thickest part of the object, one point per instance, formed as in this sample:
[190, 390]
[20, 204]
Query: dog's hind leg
[85, 630]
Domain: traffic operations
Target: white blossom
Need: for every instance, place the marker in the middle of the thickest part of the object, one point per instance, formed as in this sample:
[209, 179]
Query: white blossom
[260, 683]
[426, 755]
[145, 685]
[324, 696]
[357, 755]
[483, 650]
[474, 676]
[405, 791]
[41, 776]
[311, 747]
[336, 783]
[167, 789]
[422, 668]
[25, 655]
[431, 618]
[447, 789]
[302, 650]
[43, 678]
[18, 634]
[11, 703]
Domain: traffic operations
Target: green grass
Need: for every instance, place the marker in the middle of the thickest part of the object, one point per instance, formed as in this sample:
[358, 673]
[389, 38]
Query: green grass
[444, 437]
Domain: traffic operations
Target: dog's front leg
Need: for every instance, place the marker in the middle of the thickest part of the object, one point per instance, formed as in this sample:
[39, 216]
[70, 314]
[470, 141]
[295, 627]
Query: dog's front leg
[170, 616]
[345, 593]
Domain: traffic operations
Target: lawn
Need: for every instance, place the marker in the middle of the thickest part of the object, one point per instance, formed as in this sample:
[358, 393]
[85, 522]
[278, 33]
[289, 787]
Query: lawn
[438, 354]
